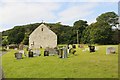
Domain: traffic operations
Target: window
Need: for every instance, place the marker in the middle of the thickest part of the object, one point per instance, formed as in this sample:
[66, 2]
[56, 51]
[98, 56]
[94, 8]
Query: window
[41, 29]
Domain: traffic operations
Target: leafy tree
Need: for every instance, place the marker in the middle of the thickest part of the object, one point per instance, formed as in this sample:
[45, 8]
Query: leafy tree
[26, 39]
[109, 17]
[16, 35]
[5, 40]
[79, 25]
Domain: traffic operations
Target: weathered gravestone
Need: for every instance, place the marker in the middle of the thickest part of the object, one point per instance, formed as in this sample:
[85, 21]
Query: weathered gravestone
[61, 53]
[65, 52]
[30, 53]
[22, 52]
[110, 50]
[36, 52]
[46, 53]
[92, 48]
[18, 55]
[21, 46]
[74, 46]
[51, 51]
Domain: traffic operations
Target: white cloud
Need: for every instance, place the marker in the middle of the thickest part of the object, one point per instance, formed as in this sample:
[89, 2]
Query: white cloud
[20, 13]
[77, 12]
[59, 0]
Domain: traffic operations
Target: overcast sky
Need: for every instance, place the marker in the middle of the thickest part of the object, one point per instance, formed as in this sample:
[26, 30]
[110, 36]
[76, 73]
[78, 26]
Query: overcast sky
[21, 12]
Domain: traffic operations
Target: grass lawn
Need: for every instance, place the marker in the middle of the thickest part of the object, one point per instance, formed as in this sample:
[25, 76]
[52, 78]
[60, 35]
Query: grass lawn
[81, 65]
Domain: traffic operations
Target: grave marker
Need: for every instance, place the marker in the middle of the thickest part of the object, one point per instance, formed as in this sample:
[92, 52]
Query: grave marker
[110, 50]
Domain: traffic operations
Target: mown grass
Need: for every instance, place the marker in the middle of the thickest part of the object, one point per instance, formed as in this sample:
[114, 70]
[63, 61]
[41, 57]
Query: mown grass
[80, 65]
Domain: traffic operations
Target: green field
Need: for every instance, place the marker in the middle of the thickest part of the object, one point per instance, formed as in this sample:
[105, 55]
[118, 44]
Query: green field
[81, 65]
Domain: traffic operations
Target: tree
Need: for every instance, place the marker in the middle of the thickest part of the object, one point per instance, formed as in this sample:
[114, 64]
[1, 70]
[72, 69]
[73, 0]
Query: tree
[109, 17]
[26, 39]
[112, 19]
[99, 32]
[79, 25]
[5, 40]
[16, 35]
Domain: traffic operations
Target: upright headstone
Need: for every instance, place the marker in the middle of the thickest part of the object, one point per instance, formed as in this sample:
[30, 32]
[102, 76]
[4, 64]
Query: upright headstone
[92, 48]
[7, 47]
[18, 55]
[74, 46]
[30, 53]
[61, 52]
[68, 49]
[65, 52]
[110, 50]
[36, 52]
[15, 49]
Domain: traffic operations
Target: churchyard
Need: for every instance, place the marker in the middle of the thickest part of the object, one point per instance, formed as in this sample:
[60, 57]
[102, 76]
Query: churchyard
[82, 64]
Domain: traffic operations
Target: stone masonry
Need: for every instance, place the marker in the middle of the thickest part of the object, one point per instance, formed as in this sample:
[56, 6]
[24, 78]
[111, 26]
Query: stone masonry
[43, 37]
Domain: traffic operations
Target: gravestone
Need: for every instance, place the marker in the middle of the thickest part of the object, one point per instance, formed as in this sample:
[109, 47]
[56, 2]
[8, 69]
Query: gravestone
[60, 52]
[21, 51]
[7, 47]
[36, 52]
[74, 46]
[92, 48]
[64, 52]
[46, 53]
[110, 50]
[15, 48]
[21, 46]
[30, 54]
[51, 51]
[18, 55]
[96, 48]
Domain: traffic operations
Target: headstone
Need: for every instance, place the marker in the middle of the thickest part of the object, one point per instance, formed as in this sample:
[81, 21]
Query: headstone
[7, 47]
[18, 55]
[21, 51]
[110, 50]
[74, 46]
[51, 51]
[96, 48]
[64, 52]
[15, 49]
[30, 54]
[46, 53]
[61, 53]
[21, 46]
[36, 52]
[92, 48]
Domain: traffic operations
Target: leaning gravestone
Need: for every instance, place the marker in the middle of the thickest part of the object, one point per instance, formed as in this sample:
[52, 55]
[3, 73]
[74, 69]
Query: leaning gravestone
[110, 50]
